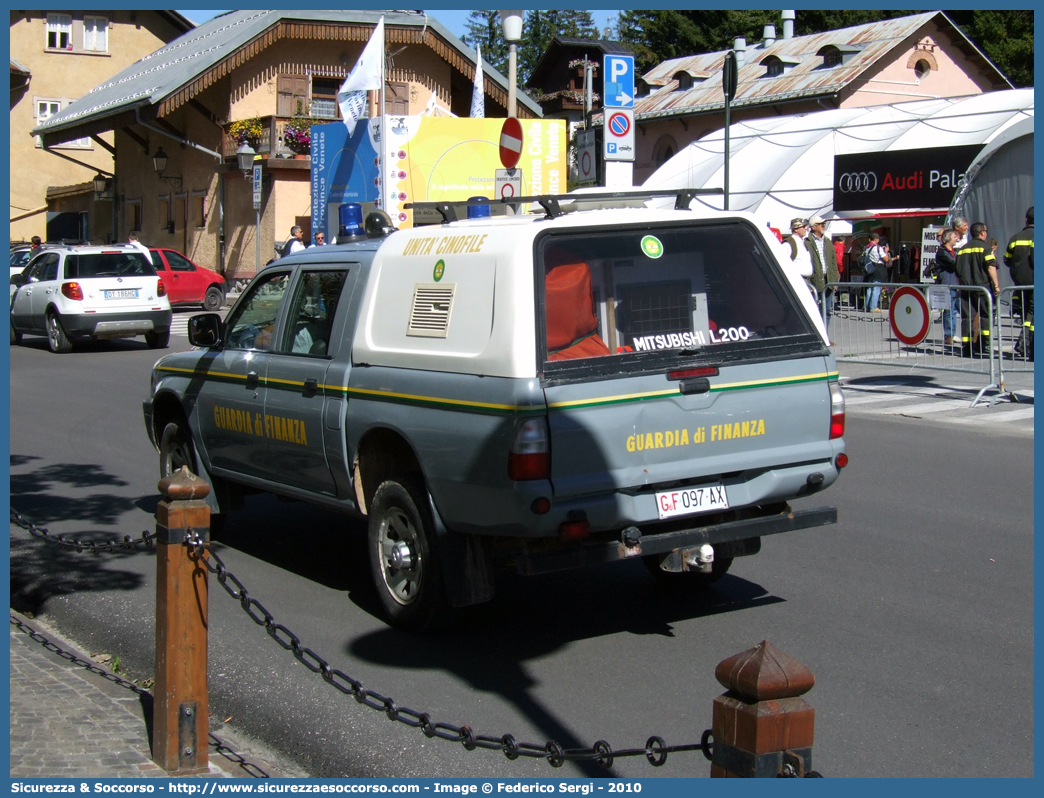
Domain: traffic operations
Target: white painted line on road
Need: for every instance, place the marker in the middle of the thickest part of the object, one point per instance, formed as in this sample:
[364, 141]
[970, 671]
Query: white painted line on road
[875, 397]
[1021, 414]
[928, 407]
[1014, 415]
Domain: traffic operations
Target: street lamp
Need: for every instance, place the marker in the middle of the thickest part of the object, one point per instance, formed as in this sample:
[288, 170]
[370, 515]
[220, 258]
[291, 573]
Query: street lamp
[245, 157]
[159, 163]
[512, 22]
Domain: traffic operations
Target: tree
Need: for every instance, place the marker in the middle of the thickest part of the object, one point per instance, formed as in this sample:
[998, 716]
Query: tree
[486, 31]
[1006, 37]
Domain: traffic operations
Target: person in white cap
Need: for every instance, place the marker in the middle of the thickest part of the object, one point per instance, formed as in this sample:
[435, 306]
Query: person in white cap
[797, 263]
[824, 264]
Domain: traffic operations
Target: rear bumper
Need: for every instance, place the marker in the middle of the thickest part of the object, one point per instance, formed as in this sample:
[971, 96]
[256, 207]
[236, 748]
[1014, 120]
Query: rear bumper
[115, 325]
[531, 563]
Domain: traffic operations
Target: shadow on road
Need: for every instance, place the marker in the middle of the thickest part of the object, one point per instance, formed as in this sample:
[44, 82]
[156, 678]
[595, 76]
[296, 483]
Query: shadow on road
[41, 571]
[43, 496]
[529, 619]
[533, 617]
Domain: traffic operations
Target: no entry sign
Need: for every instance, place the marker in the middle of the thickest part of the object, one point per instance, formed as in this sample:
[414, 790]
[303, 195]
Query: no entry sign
[510, 142]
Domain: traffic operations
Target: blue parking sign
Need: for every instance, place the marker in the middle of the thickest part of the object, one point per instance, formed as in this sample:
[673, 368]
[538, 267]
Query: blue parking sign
[618, 81]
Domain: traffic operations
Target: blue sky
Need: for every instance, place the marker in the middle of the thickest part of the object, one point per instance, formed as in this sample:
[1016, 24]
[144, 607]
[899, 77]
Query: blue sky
[456, 21]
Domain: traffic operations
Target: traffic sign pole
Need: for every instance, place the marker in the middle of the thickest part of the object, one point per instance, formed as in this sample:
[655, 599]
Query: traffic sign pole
[618, 120]
[257, 213]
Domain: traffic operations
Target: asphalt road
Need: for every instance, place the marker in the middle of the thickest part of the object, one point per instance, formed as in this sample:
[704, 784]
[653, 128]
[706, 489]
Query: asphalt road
[915, 612]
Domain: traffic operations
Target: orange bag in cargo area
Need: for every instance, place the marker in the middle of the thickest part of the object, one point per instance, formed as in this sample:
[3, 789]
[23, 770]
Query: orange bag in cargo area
[569, 310]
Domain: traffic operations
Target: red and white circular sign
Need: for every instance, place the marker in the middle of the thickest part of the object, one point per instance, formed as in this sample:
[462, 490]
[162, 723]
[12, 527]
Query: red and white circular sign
[909, 316]
[510, 142]
[507, 190]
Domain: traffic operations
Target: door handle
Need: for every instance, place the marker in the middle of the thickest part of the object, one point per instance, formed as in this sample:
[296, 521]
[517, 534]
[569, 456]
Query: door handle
[252, 378]
[311, 385]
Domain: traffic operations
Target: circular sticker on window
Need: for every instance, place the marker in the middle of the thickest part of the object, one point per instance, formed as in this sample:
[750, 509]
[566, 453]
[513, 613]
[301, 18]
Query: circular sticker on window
[652, 247]
[440, 269]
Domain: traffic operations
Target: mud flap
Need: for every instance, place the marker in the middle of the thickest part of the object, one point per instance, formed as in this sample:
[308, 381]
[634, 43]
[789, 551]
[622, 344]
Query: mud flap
[467, 564]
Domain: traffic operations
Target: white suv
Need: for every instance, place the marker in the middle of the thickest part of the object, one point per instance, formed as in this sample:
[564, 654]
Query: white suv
[90, 292]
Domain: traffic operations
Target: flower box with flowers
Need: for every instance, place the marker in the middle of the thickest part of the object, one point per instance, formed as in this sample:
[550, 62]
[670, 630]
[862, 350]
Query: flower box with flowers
[297, 135]
[247, 131]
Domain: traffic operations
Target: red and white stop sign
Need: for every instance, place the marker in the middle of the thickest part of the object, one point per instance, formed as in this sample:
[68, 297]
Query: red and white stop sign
[510, 142]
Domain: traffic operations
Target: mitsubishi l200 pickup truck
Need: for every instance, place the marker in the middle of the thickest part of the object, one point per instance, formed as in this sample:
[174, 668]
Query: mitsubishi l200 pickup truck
[549, 390]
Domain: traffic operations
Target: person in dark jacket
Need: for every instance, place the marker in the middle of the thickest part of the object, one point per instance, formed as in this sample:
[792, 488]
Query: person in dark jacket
[946, 274]
[1018, 257]
[976, 266]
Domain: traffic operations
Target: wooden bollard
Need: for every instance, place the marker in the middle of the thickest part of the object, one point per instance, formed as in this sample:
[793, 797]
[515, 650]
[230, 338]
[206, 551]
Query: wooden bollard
[762, 724]
[180, 741]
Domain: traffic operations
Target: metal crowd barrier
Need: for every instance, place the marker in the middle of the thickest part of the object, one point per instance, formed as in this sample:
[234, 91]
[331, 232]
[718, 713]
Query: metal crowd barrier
[1015, 331]
[859, 335]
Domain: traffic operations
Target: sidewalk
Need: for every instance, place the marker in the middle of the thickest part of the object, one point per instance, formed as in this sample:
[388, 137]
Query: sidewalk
[73, 718]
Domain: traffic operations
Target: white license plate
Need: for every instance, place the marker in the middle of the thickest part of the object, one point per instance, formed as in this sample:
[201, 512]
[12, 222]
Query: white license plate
[685, 501]
[122, 293]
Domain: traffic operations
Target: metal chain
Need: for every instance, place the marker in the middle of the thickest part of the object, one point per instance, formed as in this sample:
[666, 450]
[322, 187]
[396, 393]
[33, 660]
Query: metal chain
[89, 546]
[655, 750]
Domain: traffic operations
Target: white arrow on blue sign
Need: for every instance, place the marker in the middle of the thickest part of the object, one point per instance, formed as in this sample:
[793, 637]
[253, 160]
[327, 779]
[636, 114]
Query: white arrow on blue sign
[618, 81]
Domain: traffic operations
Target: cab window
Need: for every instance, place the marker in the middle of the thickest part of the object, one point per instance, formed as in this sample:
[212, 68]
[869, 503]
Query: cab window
[252, 324]
[645, 294]
[312, 312]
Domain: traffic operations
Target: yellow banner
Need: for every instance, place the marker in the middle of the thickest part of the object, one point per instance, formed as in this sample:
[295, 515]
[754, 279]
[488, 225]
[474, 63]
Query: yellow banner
[455, 159]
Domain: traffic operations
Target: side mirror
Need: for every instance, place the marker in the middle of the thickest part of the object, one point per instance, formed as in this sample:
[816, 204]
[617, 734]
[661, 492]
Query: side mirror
[18, 279]
[205, 330]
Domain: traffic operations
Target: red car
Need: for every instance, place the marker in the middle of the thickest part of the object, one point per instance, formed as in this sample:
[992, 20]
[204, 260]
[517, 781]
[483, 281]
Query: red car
[187, 283]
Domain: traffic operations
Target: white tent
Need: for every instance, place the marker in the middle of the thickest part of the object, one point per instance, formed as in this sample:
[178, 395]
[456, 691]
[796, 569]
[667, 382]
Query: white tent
[783, 167]
[999, 185]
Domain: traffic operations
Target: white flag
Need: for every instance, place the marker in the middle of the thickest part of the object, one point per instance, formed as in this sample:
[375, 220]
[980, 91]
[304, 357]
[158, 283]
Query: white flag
[351, 98]
[478, 99]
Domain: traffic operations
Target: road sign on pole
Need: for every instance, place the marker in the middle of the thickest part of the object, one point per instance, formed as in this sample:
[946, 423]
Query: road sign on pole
[508, 183]
[257, 187]
[618, 81]
[619, 134]
[510, 142]
[586, 164]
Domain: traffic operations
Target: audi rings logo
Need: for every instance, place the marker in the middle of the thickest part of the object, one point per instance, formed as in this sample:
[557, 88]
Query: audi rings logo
[857, 182]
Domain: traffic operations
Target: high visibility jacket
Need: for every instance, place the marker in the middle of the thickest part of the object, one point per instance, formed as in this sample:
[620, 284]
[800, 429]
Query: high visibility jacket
[973, 262]
[1019, 257]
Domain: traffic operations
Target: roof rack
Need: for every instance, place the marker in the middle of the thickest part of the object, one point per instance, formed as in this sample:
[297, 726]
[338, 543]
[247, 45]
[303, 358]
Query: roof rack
[552, 203]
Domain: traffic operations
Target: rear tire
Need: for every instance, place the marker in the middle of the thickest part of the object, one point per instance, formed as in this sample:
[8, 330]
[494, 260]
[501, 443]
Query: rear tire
[57, 340]
[214, 299]
[158, 339]
[692, 580]
[403, 561]
[16, 337]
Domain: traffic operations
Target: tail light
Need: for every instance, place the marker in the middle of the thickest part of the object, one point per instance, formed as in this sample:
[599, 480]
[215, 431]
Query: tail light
[73, 291]
[161, 289]
[529, 457]
[575, 530]
[837, 411]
